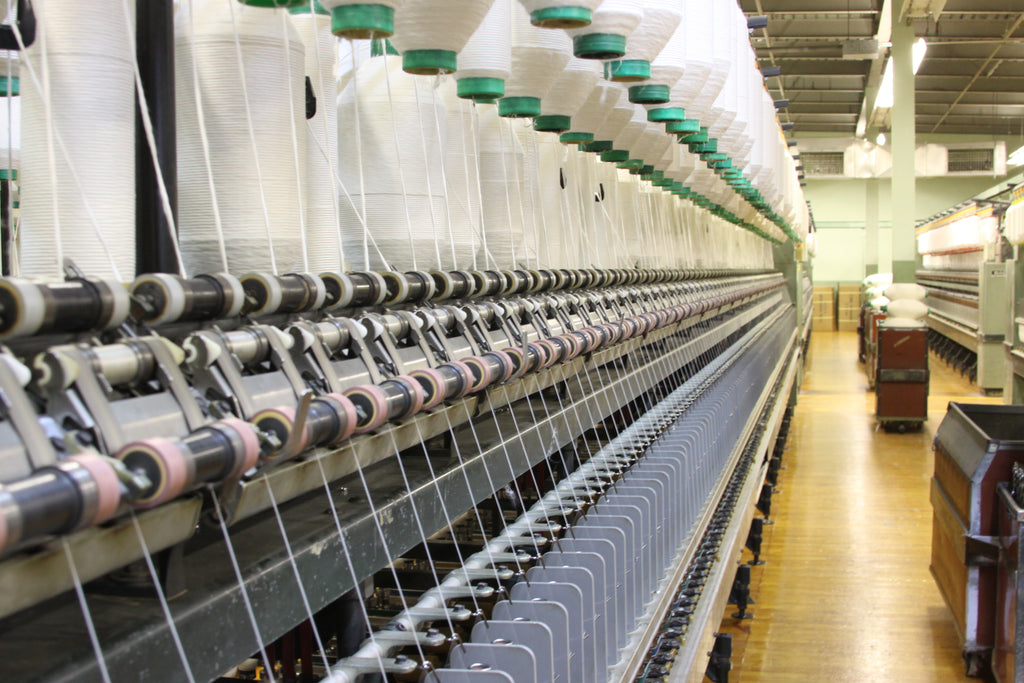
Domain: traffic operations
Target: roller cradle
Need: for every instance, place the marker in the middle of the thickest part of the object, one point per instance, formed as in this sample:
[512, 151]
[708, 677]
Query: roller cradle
[80, 491]
[221, 450]
[330, 419]
[78, 305]
[160, 298]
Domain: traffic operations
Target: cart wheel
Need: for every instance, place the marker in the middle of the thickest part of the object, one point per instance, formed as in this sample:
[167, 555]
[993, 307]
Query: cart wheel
[974, 664]
[902, 428]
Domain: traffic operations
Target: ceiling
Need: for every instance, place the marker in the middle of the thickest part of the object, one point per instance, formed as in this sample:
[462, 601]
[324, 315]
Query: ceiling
[971, 80]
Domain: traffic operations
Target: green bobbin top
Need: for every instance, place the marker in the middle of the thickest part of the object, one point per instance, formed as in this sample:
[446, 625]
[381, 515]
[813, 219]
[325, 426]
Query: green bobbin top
[615, 156]
[363, 22]
[683, 127]
[429, 62]
[627, 70]
[480, 88]
[597, 146]
[552, 123]
[519, 107]
[575, 137]
[12, 87]
[566, 16]
[599, 46]
[666, 115]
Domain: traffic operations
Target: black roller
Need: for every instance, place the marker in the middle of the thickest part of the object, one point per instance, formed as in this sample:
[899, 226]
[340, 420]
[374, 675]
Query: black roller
[457, 284]
[28, 308]
[267, 294]
[159, 298]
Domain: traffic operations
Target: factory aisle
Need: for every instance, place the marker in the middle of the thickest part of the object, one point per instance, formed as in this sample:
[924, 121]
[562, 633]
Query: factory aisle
[846, 594]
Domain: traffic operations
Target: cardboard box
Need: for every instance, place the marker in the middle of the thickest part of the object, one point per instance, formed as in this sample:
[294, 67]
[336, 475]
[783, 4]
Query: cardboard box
[825, 323]
[847, 325]
[849, 300]
[848, 314]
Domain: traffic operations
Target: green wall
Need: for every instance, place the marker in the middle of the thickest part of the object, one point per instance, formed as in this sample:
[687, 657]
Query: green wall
[839, 214]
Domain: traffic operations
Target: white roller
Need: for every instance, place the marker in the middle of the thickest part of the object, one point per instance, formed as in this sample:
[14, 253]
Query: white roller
[485, 63]
[538, 57]
[323, 239]
[78, 141]
[257, 184]
[429, 34]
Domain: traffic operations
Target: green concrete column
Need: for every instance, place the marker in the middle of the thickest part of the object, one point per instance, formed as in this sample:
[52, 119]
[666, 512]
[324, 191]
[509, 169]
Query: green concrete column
[904, 249]
[871, 228]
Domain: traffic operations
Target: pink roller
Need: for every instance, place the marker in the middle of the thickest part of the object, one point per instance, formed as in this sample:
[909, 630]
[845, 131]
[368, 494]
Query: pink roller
[483, 369]
[169, 461]
[433, 379]
[348, 409]
[418, 396]
[250, 442]
[108, 487]
[467, 376]
[377, 406]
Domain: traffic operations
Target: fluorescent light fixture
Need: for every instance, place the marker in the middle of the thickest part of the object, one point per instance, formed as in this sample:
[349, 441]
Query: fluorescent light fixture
[880, 139]
[885, 90]
[1017, 158]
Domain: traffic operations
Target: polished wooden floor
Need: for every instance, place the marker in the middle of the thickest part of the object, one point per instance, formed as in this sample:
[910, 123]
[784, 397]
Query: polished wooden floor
[846, 594]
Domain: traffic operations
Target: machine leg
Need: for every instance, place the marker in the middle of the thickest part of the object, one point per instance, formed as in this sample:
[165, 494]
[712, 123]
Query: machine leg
[764, 503]
[754, 539]
[740, 595]
[721, 659]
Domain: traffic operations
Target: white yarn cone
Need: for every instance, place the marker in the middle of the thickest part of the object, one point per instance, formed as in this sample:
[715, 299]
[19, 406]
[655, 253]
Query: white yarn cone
[460, 171]
[666, 70]
[595, 110]
[538, 57]
[659, 22]
[78, 192]
[612, 24]
[500, 156]
[567, 94]
[485, 63]
[323, 240]
[246, 177]
[429, 34]
[391, 144]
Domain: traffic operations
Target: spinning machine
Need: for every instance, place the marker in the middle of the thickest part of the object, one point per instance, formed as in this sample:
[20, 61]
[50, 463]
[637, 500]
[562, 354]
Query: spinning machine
[397, 340]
